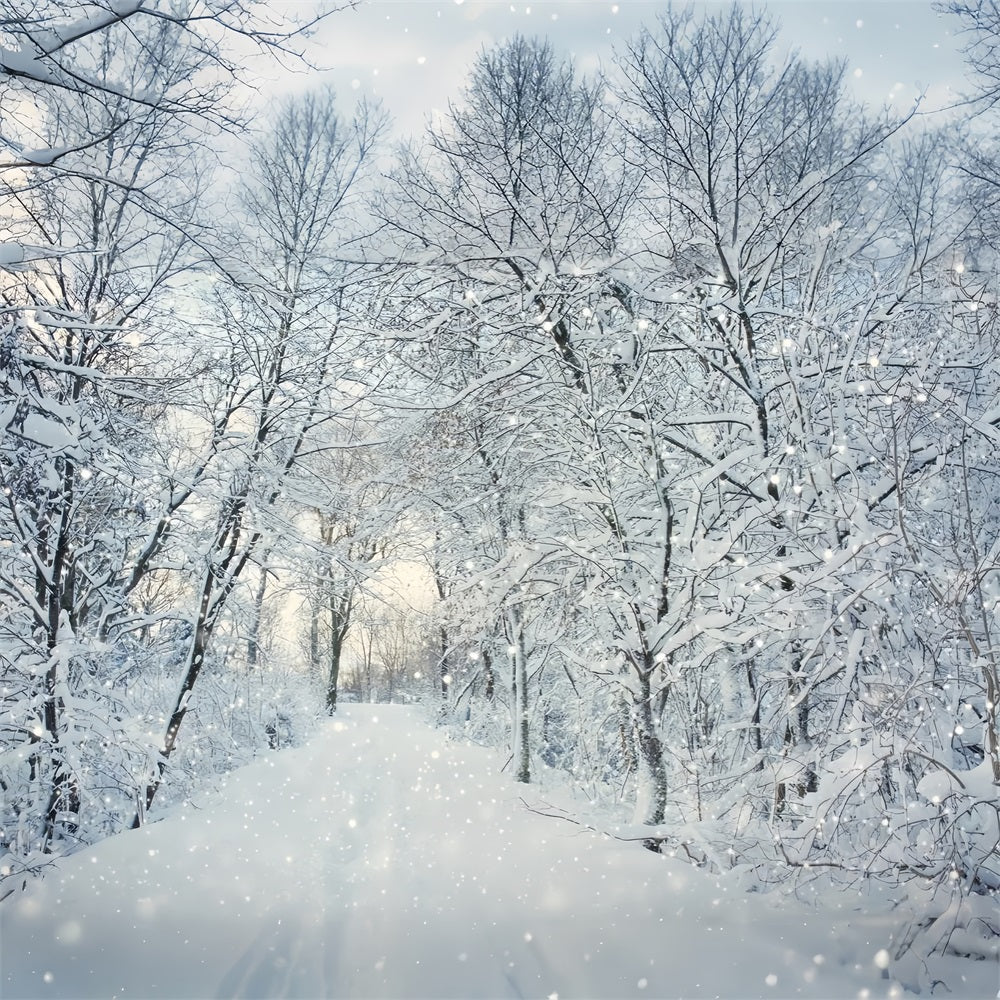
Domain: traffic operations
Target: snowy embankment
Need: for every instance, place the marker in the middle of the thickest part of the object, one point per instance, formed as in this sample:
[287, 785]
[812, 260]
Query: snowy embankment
[383, 860]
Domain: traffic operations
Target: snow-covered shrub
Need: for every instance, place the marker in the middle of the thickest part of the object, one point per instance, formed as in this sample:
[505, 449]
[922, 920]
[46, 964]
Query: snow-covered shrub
[957, 826]
[77, 782]
[235, 714]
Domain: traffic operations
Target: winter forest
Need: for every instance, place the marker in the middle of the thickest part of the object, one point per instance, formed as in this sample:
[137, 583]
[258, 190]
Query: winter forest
[642, 428]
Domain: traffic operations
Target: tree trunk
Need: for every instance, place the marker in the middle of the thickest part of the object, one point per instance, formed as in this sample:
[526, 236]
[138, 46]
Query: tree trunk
[755, 732]
[333, 676]
[339, 612]
[253, 639]
[652, 801]
[63, 807]
[796, 737]
[488, 674]
[195, 661]
[444, 667]
[314, 636]
[56, 596]
[519, 707]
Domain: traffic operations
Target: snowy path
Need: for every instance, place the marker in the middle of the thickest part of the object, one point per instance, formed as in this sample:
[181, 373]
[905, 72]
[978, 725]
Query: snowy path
[383, 860]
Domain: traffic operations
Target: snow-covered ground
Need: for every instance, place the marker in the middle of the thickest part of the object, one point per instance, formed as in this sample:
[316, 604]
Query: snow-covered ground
[384, 860]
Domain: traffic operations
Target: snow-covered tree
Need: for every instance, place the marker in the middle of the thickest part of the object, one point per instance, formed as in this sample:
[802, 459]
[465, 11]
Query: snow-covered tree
[106, 144]
[86, 384]
[284, 348]
[511, 210]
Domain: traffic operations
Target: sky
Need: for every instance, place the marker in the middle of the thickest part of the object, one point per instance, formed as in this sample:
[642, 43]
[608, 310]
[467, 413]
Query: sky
[414, 54]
